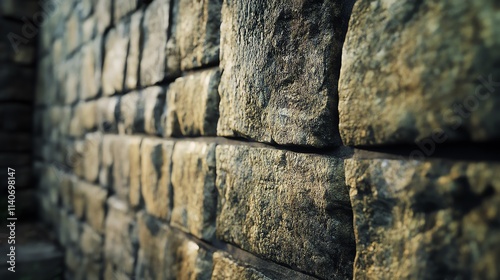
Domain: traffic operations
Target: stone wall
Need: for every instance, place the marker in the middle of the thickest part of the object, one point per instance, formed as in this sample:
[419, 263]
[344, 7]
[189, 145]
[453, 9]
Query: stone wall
[232, 139]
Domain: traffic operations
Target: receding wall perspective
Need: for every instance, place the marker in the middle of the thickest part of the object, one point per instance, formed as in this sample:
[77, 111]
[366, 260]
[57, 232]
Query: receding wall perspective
[238, 139]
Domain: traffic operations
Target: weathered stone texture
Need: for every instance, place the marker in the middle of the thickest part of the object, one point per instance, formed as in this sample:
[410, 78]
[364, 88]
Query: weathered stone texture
[123, 7]
[153, 106]
[227, 268]
[410, 69]
[193, 182]
[425, 220]
[288, 207]
[91, 157]
[280, 64]
[120, 245]
[113, 73]
[193, 105]
[91, 69]
[133, 57]
[91, 243]
[155, 27]
[164, 254]
[126, 167]
[197, 32]
[156, 165]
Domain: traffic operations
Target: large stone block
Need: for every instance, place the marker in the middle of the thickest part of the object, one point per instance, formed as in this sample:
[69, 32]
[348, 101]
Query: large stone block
[193, 183]
[193, 105]
[91, 156]
[95, 211]
[91, 243]
[156, 166]
[165, 254]
[280, 63]
[425, 220]
[113, 73]
[130, 118]
[420, 69]
[197, 32]
[120, 245]
[105, 115]
[126, 166]
[152, 109]
[288, 207]
[103, 13]
[154, 43]
[121, 8]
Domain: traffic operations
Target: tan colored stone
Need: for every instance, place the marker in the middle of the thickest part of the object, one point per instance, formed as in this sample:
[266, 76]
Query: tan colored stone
[289, 207]
[124, 152]
[106, 120]
[91, 69]
[197, 32]
[192, 105]
[95, 211]
[103, 15]
[153, 107]
[155, 27]
[91, 243]
[425, 219]
[91, 157]
[226, 267]
[122, 8]
[156, 158]
[130, 121]
[120, 245]
[422, 69]
[193, 183]
[113, 72]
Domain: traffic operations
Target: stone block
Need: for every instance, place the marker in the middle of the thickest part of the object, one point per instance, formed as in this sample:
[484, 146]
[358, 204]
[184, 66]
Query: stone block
[425, 219]
[95, 211]
[130, 118]
[121, 8]
[154, 43]
[197, 32]
[91, 243]
[156, 166]
[91, 156]
[113, 73]
[106, 120]
[194, 192]
[125, 165]
[288, 207]
[103, 13]
[280, 64]
[120, 245]
[153, 108]
[133, 58]
[91, 69]
[161, 251]
[72, 33]
[193, 105]
[420, 70]
[226, 267]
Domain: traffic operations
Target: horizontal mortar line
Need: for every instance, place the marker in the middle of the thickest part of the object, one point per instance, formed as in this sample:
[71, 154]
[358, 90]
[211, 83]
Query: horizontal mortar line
[459, 151]
[239, 254]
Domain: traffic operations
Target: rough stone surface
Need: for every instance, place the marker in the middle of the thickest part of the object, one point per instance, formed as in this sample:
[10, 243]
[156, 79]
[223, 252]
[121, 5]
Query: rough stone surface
[91, 157]
[91, 243]
[288, 207]
[155, 27]
[227, 268]
[121, 239]
[425, 220]
[153, 106]
[192, 105]
[91, 69]
[125, 166]
[420, 69]
[131, 120]
[156, 165]
[96, 207]
[113, 73]
[164, 254]
[280, 65]
[121, 8]
[197, 32]
[133, 57]
[105, 114]
[193, 182]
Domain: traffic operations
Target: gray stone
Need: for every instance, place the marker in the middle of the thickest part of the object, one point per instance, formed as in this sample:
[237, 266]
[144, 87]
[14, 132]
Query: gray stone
[156, 165]
[288, 207]
[164, 254]
[192, 105]
[226, 267]
[69, 73]
[155, 27]
[113, 73]
[72, 33]
[153, 107]
[425, 219]
[133, 58]
[280, 64]
[193, 183]
[420, 69]
[197, 32]
[103, 13]
[120, 245]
